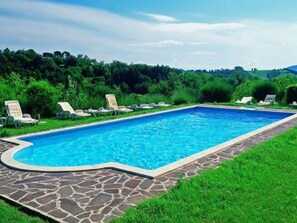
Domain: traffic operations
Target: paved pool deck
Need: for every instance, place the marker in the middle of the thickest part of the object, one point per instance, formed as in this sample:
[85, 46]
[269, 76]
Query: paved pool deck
[100, 195]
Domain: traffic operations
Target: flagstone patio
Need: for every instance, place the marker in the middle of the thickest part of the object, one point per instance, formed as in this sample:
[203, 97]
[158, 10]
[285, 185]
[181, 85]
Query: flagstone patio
[100, 195]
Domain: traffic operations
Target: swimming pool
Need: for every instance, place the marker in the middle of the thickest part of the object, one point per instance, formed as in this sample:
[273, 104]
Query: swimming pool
[148, 143]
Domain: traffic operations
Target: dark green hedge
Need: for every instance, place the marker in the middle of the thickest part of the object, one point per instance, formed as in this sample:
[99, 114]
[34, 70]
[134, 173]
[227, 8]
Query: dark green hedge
[262, 89]
[217, 91]
[291, 94]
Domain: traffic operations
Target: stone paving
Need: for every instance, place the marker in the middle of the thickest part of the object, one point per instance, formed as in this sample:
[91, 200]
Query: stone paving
[100, 195]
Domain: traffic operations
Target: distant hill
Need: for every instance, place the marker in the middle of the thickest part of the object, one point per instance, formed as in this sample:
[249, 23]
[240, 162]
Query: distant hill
[268, 74]
[292, 68]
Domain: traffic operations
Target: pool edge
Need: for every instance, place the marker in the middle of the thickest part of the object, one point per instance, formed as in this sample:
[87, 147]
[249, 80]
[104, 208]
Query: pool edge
[7, 156]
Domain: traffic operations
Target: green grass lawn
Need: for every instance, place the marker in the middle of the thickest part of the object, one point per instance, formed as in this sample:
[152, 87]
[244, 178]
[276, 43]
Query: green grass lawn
[12, 214]
[258, 186]
[51, 124]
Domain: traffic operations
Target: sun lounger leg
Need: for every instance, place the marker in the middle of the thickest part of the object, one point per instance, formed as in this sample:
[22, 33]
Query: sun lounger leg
[17, 124]
[73, 117]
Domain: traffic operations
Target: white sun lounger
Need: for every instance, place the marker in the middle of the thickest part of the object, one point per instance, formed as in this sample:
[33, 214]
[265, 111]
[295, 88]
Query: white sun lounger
[269, 99]
[163, 104]
[145, 106]
[154, 105]
[67, 110]
[104, 111]
[15, 114]
[244, 100]
[98, 111]
[134, 107]
[111, 104]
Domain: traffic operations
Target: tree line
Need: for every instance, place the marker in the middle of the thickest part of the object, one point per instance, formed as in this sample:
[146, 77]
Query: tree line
[38, 81]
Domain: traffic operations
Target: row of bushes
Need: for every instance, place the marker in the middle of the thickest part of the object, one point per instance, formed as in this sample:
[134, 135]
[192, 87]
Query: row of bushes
[285, 94]
[41, 97]
[222, 92]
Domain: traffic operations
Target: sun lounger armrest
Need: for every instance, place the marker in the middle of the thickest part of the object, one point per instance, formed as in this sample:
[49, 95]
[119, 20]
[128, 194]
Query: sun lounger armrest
[79, 111]
[26, 116]
[66, 113]
[121, 107]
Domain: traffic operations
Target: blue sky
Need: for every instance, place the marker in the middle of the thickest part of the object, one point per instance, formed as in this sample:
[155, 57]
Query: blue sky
[190, 34]
[198, 10]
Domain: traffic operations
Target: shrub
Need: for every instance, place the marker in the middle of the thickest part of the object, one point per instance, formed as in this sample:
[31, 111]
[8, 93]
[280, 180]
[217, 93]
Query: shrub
[217, 91]
[80, 98]
[263, 88]
[142, 88]
[184, 95]
[42, 98]
[128, 99]
[5, 94]
[281, 84]
[291, 94]
[179, 99]
[101, 90]
[245, 89]
[86, 101]
[163, 87]
[12, 88]
[156, 98]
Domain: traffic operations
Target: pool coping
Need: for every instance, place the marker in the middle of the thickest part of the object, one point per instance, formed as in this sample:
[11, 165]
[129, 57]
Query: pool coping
[7, 159]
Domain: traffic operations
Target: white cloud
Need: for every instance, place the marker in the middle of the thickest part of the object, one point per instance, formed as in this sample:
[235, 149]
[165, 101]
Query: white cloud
[197, 43]
[204, 53]
[103, 35]
[193, 27]
[74, 16]
[163, 43]
[159, 18]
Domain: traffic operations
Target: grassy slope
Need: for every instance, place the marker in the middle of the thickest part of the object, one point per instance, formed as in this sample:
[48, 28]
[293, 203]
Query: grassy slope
[258, 186]
[56, 123]
[262, 73]
[11, 214]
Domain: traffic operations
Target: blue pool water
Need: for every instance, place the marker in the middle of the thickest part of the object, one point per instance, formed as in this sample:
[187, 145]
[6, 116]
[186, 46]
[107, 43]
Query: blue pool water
[148, 142]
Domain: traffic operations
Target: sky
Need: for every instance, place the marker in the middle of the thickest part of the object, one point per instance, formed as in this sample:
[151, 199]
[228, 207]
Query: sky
[189, 34]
